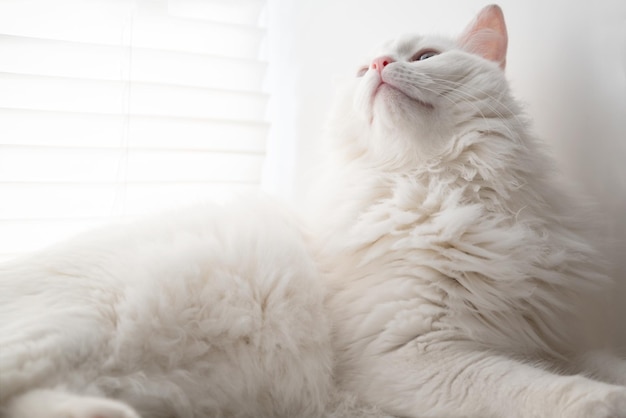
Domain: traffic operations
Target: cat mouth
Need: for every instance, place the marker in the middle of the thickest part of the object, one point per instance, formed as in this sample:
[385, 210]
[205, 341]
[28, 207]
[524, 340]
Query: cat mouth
[383, 84]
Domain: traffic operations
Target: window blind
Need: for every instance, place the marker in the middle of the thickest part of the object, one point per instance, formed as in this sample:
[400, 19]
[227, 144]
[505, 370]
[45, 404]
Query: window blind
[111, 108]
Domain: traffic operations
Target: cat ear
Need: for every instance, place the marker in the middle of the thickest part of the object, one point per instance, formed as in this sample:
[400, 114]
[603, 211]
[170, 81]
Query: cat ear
[486, 35]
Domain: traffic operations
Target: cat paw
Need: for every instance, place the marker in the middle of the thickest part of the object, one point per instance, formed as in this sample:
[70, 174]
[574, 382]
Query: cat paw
[605, 404]
[94, 408]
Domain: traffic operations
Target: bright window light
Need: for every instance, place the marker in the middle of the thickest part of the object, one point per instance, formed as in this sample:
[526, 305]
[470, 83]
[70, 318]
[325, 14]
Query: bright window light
[111, 108]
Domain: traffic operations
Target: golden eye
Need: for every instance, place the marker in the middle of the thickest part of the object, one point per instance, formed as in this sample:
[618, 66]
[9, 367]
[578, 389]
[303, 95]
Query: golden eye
[424, 54]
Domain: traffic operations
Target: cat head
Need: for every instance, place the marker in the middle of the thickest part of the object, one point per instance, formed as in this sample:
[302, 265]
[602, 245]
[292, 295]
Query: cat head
[414, 95]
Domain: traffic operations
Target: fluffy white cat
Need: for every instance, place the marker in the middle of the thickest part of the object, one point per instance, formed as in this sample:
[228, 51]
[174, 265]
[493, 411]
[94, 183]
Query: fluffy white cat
[461, 278]
[208, 312]
[446, 274]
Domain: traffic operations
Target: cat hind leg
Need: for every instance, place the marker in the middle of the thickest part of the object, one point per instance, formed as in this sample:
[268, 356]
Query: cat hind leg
[43, 403]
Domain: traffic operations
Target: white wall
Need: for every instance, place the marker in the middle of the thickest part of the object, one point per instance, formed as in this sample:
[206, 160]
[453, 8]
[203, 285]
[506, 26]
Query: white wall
[567, 62]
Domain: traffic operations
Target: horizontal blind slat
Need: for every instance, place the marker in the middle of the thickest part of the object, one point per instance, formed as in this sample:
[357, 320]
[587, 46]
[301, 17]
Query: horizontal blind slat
[40, 201]
[26, 127]
[28, 236]
[117, 24]
[80, 60]
[67, 94]
[26, 164]
[8, 256]
[246, 12]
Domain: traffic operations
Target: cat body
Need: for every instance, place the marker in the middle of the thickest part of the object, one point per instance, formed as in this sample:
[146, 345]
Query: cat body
[461, 278]
[210, 311]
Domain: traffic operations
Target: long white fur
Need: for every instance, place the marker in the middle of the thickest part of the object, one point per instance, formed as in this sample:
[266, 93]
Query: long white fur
[212, 311]
[461, 275]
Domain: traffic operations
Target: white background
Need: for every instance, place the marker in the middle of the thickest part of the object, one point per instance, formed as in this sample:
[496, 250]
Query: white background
[566, 62]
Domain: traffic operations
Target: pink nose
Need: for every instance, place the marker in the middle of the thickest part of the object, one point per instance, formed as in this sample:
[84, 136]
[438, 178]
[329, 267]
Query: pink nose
[381, 62]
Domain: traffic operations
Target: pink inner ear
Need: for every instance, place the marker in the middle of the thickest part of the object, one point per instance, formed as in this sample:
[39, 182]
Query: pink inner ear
[486, 35]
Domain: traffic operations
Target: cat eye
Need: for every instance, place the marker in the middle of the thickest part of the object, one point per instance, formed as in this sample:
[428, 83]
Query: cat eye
[422, 55]
[362, 71]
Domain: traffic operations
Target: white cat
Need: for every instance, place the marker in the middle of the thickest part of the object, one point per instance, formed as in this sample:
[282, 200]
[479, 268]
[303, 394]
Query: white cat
[460, 275]
[451, 267]
[208, 312]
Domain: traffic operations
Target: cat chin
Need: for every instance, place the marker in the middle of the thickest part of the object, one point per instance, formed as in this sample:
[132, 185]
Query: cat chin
[389, 92]
[377, 101]
[392, 108]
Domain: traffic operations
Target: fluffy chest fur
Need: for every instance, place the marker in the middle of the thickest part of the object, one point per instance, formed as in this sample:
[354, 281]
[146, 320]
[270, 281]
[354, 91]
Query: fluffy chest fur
[442, 219]
[440, 261]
